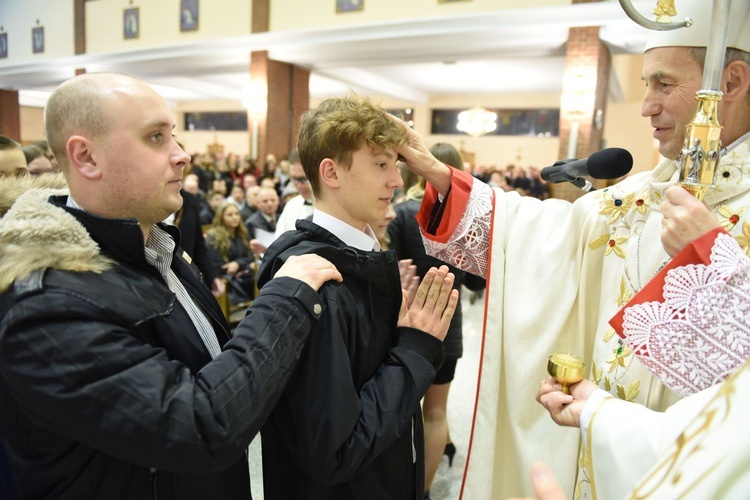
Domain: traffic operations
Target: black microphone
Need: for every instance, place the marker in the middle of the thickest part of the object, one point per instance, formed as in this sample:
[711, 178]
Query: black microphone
[609, 163]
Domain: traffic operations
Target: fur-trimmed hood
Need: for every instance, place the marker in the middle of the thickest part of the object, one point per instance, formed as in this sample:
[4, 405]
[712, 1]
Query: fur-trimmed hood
[37, 235]
[13, 187]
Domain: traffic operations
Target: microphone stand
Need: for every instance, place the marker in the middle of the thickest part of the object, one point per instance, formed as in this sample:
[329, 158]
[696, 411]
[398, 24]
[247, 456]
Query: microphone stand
[586, 187]
[578, 182]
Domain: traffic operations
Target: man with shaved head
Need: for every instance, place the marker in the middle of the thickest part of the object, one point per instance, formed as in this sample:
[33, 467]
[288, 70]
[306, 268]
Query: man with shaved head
[267, 202]
[119, 377]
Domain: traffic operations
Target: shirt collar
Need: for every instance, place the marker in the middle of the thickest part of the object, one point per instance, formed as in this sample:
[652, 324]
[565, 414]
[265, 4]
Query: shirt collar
[72, 203]
[365, 241]
[267, 218]
[159, 247]
[738, 142]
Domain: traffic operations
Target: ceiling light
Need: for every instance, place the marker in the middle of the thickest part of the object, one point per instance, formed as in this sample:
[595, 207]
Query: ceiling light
[477, 121]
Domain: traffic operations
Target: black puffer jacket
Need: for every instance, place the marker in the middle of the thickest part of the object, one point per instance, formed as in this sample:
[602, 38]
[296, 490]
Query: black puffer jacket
[406, 241]
[348, 425]
[106, 389]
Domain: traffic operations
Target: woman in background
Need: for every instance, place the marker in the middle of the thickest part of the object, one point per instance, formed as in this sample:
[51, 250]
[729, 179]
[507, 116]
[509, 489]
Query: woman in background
[229, 250]
[37, 161]
[406, 240]
[380, 227]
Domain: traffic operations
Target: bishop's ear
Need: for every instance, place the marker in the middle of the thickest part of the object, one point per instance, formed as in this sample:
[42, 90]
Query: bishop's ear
[737, 81]
[80, 153]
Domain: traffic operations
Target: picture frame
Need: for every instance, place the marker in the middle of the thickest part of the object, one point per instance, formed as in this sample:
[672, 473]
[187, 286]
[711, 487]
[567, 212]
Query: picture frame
[189, 15]
[3, 45]
[349, 6]
[131, 23]
[37, 39]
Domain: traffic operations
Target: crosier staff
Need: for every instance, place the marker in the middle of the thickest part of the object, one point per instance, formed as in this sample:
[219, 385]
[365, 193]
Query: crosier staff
[701, 151]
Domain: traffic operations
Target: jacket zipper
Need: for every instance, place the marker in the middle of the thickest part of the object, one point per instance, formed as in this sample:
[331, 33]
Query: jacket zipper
[154, 496]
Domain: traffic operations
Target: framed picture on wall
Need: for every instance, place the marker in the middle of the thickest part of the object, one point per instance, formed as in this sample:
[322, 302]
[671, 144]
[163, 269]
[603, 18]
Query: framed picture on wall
[349, 5]
[131, 23]
[189, 15]
[37, 39]
[3, 45]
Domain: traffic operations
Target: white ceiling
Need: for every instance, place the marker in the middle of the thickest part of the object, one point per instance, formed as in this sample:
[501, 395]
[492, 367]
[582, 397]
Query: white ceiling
[520, 50]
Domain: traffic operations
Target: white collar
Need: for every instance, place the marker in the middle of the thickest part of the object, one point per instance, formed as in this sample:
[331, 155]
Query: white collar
[348, 234]
[738, 142]
[268, 218]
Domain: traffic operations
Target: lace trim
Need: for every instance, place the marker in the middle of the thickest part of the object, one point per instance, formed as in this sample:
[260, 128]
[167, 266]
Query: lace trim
[468, 246]
[701, 332]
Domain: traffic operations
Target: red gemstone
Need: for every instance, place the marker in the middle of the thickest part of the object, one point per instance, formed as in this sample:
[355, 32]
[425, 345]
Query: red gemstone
[612, 243]
[733, 219]
[639, 202]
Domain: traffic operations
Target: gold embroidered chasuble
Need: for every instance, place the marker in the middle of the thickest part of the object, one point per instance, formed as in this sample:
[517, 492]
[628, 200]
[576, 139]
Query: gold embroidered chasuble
[698, 448]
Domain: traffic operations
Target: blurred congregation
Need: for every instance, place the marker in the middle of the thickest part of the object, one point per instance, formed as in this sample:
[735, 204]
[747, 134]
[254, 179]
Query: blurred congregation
[245, 202]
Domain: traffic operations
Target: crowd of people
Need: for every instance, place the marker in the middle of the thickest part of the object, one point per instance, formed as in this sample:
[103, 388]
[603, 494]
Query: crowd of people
[272, 199]
[120, 376]
[525, 181]
[34, 159]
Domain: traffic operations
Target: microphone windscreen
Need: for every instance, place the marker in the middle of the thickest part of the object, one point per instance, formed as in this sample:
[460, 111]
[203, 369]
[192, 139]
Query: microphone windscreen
[609, 163]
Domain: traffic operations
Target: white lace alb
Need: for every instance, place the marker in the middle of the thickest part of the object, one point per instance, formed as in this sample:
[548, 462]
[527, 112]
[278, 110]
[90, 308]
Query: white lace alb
[700, 334]
[468, 246]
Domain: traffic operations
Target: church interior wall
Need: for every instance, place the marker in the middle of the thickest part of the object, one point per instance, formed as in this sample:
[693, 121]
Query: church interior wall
[320, 13]
[160, 23]
[623, 125]
[19, 17]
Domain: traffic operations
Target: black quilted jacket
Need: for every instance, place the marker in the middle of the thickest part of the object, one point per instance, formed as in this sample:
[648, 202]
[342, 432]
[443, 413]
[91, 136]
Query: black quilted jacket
[106, 389]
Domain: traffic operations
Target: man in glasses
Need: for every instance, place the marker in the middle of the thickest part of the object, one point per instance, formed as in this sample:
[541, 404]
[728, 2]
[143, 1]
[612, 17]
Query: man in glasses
[301, 206]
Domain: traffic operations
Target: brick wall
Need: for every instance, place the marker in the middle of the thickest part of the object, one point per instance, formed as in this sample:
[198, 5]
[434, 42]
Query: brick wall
[10, 115]
[585, 87]
[288, 96]
[79, 18]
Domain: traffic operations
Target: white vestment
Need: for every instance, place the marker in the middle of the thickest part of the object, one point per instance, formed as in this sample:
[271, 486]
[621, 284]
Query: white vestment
[557, 273]
[698, 448]
[296, 208]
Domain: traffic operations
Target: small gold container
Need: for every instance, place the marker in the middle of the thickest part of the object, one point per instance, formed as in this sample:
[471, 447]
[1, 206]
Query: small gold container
[566, 369]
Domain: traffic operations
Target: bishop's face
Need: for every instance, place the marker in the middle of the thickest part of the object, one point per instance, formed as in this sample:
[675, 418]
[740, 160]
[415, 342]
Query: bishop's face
[672, 78]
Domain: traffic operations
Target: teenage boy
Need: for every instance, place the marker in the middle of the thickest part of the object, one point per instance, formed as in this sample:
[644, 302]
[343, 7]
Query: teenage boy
[348, 425]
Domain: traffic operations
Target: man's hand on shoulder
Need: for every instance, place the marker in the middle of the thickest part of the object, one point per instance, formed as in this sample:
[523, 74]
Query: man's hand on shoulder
[312, 269]
[432, 309]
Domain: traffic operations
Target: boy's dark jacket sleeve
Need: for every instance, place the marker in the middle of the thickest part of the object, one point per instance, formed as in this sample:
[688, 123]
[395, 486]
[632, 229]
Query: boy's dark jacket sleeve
[333, 426]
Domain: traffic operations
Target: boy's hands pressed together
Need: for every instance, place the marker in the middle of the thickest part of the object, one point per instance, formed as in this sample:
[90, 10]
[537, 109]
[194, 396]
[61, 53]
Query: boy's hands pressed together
[409, 279]
[434, 304]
